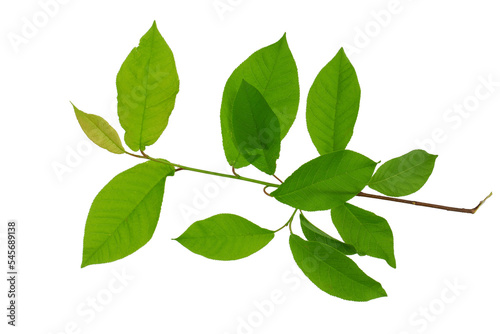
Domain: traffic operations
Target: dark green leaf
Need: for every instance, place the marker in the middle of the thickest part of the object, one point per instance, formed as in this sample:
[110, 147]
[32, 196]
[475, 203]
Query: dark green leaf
[124, 214]
[332, 105]
[272, 70]
[256, 129]
[404, 175]
[312, 233]
[326, 181]
[367, 232]
[333, 272]
[147, 85]
[99, 131]
[225, 237]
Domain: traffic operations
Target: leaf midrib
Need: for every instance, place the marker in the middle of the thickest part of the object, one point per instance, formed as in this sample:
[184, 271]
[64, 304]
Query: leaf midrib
[143, 114]
[125, 219]
[398, 174]
[120, 147]
[329, 266]
[321, 181]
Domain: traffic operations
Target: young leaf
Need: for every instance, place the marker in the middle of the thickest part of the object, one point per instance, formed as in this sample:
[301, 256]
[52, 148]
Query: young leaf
[367, 232]
[147, 85]
[272, 70]
[124, 214]
[403, 175]
[332, 105]
[327, 181]
[225, 237]
[333, 272]
[99, 131]
[256, 129]
[312, 233]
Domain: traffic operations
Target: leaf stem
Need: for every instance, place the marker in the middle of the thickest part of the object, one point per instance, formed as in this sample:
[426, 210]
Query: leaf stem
[429, 205]
[268, 184]
[288, 222]
[203, 171]
[226, 175]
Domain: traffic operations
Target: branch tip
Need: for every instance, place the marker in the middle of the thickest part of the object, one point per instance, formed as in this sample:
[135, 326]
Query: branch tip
[481, 203]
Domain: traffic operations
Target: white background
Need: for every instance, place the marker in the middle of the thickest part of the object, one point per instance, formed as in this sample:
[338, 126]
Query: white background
[413, 66]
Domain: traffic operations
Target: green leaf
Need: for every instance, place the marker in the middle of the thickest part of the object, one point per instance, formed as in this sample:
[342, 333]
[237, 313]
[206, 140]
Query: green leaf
[332, 105]
[333, 272]
[256, 129]
[225, 237]
[272, 70]
[367, 232]
[326, 181]
[404, 175]
[124, 214]
[147, 85]
[99, 131]
[312, 233]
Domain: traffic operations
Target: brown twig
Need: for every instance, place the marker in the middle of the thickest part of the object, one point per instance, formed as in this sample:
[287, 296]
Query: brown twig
[265, 192]
[234, 171]
[429, 205]
[277, 178]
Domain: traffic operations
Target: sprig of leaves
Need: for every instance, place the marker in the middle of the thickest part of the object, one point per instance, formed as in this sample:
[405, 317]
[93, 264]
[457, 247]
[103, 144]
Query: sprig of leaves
[259, 105]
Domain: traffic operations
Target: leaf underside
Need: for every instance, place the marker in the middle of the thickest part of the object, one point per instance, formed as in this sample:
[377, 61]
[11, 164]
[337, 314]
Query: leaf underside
[312, 233]
[99, 131]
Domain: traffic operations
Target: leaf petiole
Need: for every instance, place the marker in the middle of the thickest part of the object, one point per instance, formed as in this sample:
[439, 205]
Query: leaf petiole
[288, 223]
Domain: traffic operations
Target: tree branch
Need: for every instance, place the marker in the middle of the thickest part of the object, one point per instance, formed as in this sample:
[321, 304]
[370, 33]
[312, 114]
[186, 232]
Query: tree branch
[429, 205]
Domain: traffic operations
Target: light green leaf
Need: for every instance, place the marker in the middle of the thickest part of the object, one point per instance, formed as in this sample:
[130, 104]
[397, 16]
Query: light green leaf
[272, 70]
[326, 181]
[332, 105]
[404, 175]
[333, 272]
[312, 233]
[147, 85]
[256, 129]
[99, 131]
[225, 237]
[367, 232]
[124, 214]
